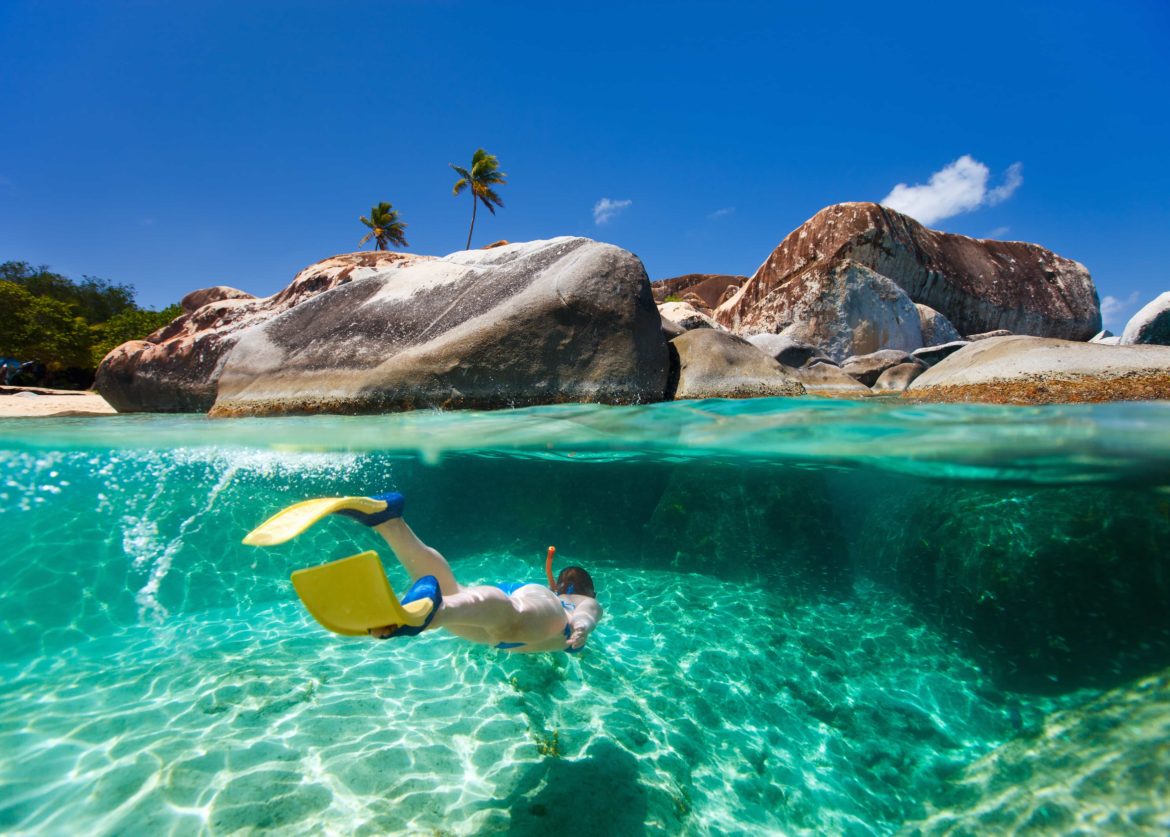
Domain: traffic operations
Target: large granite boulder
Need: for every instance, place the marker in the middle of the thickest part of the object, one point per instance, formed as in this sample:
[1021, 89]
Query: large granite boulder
[706, 291]
[1034, 370]
[715, 364]
[844, 309]
[177, 368]
[978, 285]
[1149, 325]
[567, 319]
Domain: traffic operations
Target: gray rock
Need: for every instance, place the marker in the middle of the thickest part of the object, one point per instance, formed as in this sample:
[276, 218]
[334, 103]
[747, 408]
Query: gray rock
[541, 322]
[845, 309]
[987, 335]
[827, 379]
[1149, 325]
[197, 299]
[1044, 369]
[177, 369]
[671, 329]
[867, 368]
[686, 316]
[1101, 336]
[936, 329]
[930, 355]
[898, 378]
[785, 350]
[715, 364]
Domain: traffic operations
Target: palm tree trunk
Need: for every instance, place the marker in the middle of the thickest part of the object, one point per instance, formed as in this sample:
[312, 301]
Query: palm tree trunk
[474, 206]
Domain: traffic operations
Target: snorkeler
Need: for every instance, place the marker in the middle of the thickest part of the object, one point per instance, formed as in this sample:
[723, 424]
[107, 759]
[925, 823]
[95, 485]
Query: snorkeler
[514, 616]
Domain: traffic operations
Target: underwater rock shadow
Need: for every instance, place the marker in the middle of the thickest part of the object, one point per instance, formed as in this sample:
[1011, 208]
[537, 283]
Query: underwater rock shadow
[574, 789]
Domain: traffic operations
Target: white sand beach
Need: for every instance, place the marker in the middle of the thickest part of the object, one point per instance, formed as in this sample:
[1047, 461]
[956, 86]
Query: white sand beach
[34, 402]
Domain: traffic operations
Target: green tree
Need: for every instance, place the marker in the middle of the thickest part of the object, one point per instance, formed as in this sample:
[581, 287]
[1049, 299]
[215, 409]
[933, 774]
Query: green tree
[484, 173]
[42, 328]
[94, 299]
[129, 325]
[385, 228]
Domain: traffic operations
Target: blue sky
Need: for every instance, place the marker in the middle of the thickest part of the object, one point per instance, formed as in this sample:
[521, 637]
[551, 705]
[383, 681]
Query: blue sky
[174, 145]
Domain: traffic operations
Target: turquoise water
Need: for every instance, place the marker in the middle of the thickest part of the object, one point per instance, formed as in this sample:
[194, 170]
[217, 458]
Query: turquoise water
[822, 617]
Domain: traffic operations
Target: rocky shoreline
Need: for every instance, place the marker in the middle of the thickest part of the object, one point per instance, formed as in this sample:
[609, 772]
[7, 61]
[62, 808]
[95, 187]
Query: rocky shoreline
[858, 301]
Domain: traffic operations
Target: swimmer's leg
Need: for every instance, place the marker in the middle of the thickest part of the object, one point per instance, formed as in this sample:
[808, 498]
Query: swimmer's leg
[416, 557]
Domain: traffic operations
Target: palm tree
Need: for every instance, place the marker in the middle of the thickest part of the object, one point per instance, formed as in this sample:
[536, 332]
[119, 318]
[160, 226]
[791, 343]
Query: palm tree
[385, 228]
[485, 172]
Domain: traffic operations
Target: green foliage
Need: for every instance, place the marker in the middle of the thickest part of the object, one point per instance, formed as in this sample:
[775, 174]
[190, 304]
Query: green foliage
[93, 299]
[673, 298]
[67, 324]
[41, 328]
[385, 228]
[127, 326]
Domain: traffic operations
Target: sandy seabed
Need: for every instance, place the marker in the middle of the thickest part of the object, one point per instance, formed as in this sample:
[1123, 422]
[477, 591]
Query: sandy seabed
[30, 402]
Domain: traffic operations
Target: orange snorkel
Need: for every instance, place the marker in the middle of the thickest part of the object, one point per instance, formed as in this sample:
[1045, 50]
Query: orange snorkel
[552, 585]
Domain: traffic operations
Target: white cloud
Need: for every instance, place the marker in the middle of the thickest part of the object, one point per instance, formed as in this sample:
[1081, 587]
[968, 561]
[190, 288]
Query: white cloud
[954, 189]
[605, 210]
[998, 233]
[1115, 313]
[721, 213]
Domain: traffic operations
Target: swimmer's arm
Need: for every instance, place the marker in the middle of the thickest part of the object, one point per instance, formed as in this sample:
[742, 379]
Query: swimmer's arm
[585, 617]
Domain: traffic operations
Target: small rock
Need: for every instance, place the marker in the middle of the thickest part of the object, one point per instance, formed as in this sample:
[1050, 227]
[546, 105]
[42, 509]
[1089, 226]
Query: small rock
[986, 335]
[671, 329]
[1151, 325]
[1100, 336]
[786, 351]
[686, 316]
[197, 299]
[868, 368]
[930, 355]
[826, 378]
[715, 364]
[936, 329]
[898, 378]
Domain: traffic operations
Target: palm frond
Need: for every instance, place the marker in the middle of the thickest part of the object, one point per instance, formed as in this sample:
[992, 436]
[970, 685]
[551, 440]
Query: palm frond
[365, 238]
[366, 221]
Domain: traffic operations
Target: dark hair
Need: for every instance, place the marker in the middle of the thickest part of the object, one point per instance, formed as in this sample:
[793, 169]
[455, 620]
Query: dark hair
[575, 580]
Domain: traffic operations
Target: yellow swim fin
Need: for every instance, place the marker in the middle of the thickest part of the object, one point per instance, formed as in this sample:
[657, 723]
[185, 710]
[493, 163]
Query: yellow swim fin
[286, 524]
[352, 595]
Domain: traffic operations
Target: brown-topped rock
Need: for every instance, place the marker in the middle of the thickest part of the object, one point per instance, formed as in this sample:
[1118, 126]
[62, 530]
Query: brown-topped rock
[1037, 370]
[978, 285]
[197, 299]
[715, 364]
[176, 369]
[705, 291]
[540, 322]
